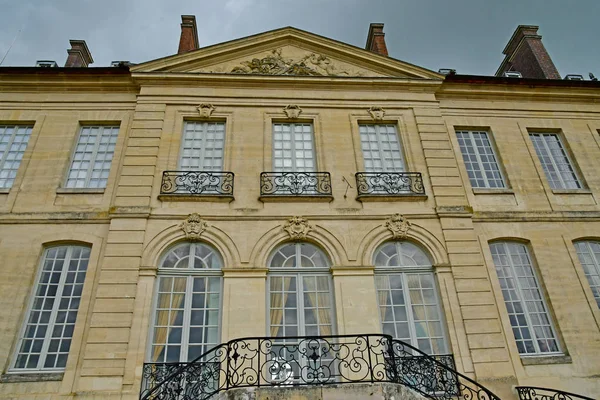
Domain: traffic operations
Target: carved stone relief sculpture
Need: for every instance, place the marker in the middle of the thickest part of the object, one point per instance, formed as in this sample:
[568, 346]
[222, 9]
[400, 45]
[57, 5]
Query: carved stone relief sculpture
[193, 226]
[297, 228]
[398, 225]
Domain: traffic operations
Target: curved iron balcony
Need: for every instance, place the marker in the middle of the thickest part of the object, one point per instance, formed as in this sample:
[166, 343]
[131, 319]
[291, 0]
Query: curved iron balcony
[309, 360]
[538, 393]
[304, 184]
[389, 184]
[203, 183]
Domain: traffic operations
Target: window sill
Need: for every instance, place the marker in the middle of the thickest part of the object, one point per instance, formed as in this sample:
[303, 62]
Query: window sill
[79, 191]
[492, 191]
[571, 191]
[390, 197]
[196, 197]
[545, 360]
[32, 377]
[4, 190]
[296, 199]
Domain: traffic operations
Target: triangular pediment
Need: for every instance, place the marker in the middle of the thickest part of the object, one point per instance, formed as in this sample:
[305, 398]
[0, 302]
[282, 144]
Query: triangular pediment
[287, 52]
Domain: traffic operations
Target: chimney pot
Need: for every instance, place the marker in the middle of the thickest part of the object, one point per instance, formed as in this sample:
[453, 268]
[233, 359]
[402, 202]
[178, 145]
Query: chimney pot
[188, 40]
[376, 39]
[79, 54]
[526, 53]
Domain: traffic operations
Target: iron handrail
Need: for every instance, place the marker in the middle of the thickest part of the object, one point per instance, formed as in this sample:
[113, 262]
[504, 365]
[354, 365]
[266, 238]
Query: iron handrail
[531, 393]
[313, 360]
[191, 182]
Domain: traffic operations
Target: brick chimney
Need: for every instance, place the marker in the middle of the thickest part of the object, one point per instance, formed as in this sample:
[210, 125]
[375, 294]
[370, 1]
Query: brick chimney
[79, 55]
[189, 34]
[376, 39]
[526, 54]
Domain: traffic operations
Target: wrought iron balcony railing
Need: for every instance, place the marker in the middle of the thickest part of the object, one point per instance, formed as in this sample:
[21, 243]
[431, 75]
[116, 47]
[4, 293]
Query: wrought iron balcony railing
[389, 184]
[295, 184]
[207, 183]
[301, 361]
[538, 393]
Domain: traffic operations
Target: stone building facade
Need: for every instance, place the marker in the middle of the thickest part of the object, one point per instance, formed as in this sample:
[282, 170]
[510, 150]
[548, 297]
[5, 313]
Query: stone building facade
[457, 213]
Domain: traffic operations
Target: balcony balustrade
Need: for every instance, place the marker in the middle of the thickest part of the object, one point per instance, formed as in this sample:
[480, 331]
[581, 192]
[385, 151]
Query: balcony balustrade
[295, 184]
[389, 184]
[309, 360]
[197, 183]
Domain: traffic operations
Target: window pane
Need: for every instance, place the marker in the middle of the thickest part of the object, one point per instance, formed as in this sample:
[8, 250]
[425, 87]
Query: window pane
[188, 306]
[589, 256]
[381, 148]
[51, 321]
[93, 156]
[202, 146]
[408, 302]
[13, 142]
[524, 302]
[554, 160]
[480, 159]
[296, 140]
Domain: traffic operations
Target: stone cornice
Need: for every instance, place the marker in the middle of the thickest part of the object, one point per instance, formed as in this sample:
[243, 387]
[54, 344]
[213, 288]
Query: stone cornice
[184, 78]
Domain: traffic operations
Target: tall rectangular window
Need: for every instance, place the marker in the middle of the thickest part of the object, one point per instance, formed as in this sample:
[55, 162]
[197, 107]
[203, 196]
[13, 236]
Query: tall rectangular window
[381, 148]
[480, 160]
[202, 146]
[46, 338]
[589, 255]
[93, 156]
[293, 148]
[527, 310]
[13, 142]
[555, 161]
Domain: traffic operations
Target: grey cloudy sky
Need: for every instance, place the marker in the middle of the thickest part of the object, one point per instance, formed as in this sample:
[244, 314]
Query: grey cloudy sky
[468, 35]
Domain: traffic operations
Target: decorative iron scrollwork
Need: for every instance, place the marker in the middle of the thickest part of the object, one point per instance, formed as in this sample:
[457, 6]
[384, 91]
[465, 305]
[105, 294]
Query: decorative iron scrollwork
[389, 183]
[539, 393]
[295, 184]
[309, 360]
[197, 183]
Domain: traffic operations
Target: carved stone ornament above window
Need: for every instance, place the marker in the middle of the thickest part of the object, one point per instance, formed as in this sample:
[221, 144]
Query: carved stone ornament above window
[377, 113]
[193, 226]
[205, 110]
[274, 64]
[292, 111]
[297, 228]
[398, 225]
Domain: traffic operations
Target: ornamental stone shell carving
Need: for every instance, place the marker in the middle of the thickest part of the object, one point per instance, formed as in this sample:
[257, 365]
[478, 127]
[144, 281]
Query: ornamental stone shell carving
[398, 225]
[193, 226]
[292, 111]
[205, 110]
[377, 113]
[297, 228]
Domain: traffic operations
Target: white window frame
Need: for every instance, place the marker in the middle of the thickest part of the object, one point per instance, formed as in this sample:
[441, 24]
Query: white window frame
[202, 157]
[518, 288]
[294, 167]
[480, 164]
[94, 156]
[298, 273]
[52, 322]
[594, 270]
[553, 161]
[189, 273]
[404, 272]
[384, 166]
[4, 155]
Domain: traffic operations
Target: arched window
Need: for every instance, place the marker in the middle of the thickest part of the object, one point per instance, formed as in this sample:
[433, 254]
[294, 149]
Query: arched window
[527, 310]
[300, 295]
[46, 337]
[188, 303]
[589, 256]
[408, 298]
